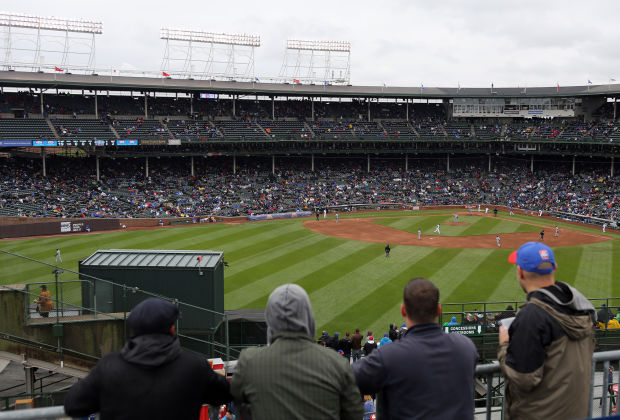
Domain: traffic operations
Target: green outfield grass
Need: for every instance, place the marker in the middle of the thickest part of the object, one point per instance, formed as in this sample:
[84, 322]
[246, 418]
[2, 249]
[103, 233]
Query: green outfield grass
[351, 284]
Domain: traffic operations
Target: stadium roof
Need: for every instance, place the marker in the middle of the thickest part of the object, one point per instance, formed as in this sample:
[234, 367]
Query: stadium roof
[152, 258]
[153, 84]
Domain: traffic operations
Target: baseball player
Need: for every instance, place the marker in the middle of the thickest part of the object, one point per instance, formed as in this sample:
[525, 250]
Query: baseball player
[486, 210]
[471, 210]
[387, 250]
[324, 213]
[497, 241]
[336, 217]
[59, 258]
[456, 218]
[437, 231]
[419, 234]
[478, 208]
[557, 231]
[512, 211]
[604, 227]
[542, 235]
[540, 213]
[495, 212]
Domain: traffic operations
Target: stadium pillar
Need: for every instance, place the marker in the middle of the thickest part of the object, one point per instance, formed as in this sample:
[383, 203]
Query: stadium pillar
[612, 166]
[43, 160]
[191, 160]
[146, 167]
[42, 109]
[573, 166]
[312, 105]
[407, 110]
[233, 106]
[489, 163]
[191, 104]
[312, 160]
[368, 109]
[614, 109]
[273, 164]
[96, 106]
[97, 167]
[146, 106]
[367, 163]
[273, 108]
[532, 164]
[234, 164]
[406, 162]
[448, 163]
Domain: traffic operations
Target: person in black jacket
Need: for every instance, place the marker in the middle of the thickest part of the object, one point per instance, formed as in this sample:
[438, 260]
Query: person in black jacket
[345, 345]
[369, 346]
[151, 377]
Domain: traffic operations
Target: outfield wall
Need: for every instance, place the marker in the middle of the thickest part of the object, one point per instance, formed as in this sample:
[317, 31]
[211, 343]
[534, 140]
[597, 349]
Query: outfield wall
[56, 227]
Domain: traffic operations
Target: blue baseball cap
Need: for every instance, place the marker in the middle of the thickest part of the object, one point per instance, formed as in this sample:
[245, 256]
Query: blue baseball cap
[531, 255]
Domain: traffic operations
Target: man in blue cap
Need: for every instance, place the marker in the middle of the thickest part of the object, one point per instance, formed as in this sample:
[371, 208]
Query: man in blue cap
[546, 353]
[152, 377]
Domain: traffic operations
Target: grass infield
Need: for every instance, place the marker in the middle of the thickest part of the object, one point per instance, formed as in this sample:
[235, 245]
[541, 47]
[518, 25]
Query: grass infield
[351, 284]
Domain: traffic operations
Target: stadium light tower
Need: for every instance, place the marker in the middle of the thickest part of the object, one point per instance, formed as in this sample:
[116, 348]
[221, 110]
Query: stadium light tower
[201, 54]
[317, 61]
[26, 37]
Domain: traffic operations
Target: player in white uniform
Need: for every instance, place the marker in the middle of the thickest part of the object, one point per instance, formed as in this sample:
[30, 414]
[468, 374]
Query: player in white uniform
[557, 231]
[59, 258]
[336, 217]
[604, 227]
[486, 210]
[437, 231]
[471, 209]
[419, 234]
[540, 213]
[324, 213]
[497, 240]
[456, 218]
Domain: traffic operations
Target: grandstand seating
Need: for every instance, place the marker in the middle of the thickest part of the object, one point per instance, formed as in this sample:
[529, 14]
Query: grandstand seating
[458, 130]
[285, 129]
[399, 130]
[190, 130]
[240, 130]
[369, 129]
[83, 129]
[25, 128]
[488, 132]
[139, 129]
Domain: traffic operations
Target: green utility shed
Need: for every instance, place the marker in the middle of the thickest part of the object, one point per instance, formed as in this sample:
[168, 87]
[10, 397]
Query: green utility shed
[194, 278]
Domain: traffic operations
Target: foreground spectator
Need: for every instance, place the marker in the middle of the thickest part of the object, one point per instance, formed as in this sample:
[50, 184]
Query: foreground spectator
[427, 374]
[293, 378]
[151, 377]
[546, 354]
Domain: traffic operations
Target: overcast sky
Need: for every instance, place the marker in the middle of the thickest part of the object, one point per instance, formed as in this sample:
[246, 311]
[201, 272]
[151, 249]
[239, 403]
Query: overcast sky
[399, 43]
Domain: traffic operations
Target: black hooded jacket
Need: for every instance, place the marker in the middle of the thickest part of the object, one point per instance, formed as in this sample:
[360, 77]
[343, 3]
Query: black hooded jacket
[151, 377]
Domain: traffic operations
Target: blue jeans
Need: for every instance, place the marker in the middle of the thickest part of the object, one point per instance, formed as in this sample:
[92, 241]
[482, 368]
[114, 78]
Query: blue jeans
[357, 354]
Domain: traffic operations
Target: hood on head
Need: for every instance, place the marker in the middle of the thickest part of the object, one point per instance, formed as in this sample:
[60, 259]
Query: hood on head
[289, 310]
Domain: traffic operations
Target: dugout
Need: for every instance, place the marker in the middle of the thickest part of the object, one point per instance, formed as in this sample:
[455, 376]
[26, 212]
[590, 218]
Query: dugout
[194, 278]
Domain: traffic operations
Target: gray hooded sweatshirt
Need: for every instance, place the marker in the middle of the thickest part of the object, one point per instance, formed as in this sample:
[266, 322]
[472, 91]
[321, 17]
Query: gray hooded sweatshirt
[294, 378]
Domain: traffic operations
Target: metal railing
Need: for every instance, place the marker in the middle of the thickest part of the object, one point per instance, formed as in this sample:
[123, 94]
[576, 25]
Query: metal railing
[493, 398]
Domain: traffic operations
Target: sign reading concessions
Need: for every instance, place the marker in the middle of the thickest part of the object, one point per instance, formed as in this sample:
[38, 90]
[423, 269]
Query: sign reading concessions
[15, 143]
[45, 143]
[126, 142]
[464, 329]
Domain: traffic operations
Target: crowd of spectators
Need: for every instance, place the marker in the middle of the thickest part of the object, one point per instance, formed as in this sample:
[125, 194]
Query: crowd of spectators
[71, 188]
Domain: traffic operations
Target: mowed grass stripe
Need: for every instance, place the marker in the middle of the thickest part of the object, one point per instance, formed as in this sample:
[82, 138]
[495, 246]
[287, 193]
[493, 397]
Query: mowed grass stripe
[483, 226]
[478, 285]
[287, 253]
[326, 273]
[367, 278]
[508, 289]
[384, 295]
[260, 252]
[615, 269]
[594, 270]
[568, 260]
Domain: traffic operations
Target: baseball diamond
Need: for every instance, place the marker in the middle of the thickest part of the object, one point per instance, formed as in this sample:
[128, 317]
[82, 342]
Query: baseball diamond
[343, 266]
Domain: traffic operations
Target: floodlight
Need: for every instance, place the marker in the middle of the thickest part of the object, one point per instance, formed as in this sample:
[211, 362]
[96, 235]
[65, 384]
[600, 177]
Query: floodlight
[51, 23]
[298, 44]
[173, 34]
